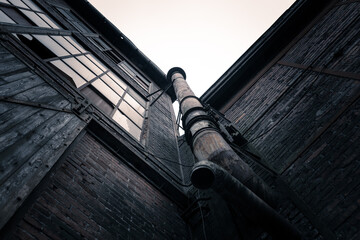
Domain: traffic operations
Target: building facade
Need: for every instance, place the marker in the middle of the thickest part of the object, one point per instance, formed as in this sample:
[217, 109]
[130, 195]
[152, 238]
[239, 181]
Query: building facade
[89, 146]
[88, 140]
[294, 96]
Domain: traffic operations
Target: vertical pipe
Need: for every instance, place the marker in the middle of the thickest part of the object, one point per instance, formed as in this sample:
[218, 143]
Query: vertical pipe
[208, 144]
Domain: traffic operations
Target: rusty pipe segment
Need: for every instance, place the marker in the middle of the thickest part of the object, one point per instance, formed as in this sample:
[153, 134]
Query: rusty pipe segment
[207, 143]
[206, 174]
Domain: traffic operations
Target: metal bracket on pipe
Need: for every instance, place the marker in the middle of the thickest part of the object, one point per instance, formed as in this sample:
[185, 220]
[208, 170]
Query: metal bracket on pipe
[167, 88]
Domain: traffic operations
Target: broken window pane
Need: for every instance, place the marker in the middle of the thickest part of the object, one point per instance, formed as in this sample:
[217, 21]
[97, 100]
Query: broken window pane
[52, 45]
[79, 68]
[65, 44]
[78, 80]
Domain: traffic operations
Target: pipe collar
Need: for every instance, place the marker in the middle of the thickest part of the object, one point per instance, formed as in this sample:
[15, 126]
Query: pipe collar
[203, 175]
[173, 71]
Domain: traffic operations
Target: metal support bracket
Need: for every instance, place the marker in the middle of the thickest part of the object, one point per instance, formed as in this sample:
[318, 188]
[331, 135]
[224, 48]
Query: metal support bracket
[228, 130]
[79, 107]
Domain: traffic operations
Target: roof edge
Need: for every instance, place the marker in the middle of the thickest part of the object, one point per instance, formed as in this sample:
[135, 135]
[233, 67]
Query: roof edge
[278, 36]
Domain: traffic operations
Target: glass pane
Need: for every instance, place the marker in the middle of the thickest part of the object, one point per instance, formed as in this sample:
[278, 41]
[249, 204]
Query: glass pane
[73, 42]
[18, 3]
[79, 68]
[131, 113]
[117, 80]
[4, 18]
[4, 1]
[32, 5]
[137, 97]
[48, 21]
[135, 104]
[112, 84]
[52, 45]
[97, 62]
[106, 91]
[35, 18]
[90, 65]
[127, 124]
[79, 81]
[65, 44]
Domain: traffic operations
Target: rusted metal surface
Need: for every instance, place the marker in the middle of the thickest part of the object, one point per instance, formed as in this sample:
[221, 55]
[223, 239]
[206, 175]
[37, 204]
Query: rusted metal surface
[208, 144]
[245, 201]
[220, 168]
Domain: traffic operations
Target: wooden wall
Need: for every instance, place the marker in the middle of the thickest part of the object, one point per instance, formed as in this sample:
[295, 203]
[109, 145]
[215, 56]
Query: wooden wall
[36, 128]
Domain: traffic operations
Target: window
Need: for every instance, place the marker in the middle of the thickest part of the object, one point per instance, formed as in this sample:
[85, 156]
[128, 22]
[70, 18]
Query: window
[74, 20]
[93, 78]
[134, 75]
[122, 64]
[25, 12]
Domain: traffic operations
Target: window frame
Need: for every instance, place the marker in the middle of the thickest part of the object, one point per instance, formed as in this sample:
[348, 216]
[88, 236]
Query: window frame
[89, 55]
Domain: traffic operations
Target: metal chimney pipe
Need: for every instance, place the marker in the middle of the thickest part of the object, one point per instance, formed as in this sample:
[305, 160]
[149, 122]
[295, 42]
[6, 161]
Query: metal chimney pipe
[208, 144]
[220, 168]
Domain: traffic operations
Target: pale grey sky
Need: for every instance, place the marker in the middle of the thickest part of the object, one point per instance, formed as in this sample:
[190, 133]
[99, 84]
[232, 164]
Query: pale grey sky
[204, 37]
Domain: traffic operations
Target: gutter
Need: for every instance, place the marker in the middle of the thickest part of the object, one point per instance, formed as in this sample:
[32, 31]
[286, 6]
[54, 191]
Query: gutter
[263, 51]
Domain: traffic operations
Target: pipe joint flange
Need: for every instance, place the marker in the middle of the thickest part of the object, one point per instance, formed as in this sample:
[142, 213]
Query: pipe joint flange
[174, 70]
[191, 133]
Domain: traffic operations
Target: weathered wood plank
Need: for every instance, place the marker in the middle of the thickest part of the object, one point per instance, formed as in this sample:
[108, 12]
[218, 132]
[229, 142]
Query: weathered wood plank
[45, 94]
[17, 154]
[7, 57]
[19, 86]
[2, 49]
[14, 116]
[2, 81]
[11, 66]
[24, 125]
[15, 190]
[4, 107]
[16, 75]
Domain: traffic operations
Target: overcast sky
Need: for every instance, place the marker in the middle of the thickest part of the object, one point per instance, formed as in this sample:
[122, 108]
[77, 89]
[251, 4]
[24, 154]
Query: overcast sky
[204, 37]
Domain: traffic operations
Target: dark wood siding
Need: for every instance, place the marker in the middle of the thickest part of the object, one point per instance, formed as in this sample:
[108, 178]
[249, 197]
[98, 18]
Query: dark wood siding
[36, 128]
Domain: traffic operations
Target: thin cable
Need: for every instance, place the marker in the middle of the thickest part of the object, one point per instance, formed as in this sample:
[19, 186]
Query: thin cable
[174, 179]
[202, 218]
